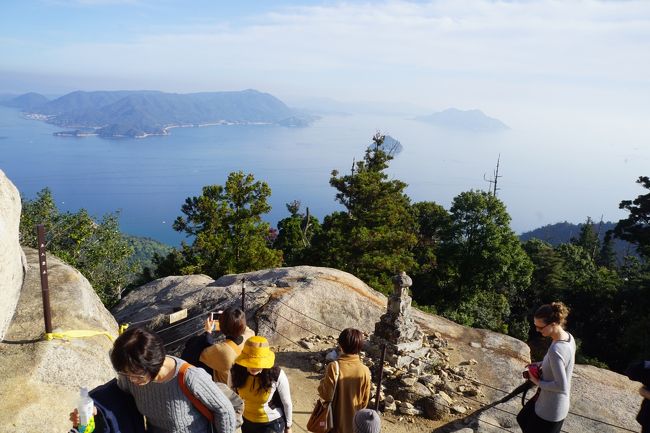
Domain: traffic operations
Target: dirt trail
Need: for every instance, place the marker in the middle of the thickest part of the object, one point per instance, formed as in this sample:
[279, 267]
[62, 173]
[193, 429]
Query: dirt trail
[304, 383]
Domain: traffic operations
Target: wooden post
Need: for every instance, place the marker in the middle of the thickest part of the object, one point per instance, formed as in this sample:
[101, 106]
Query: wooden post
[380, 377]
[45, 289]
[243, 294]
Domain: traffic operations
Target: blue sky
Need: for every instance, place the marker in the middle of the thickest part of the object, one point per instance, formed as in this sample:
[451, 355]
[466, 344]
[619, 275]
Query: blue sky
[502, 56]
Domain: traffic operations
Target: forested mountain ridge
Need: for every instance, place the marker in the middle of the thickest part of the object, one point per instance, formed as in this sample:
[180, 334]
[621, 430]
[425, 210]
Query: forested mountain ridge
[563, 232]
[143, 113]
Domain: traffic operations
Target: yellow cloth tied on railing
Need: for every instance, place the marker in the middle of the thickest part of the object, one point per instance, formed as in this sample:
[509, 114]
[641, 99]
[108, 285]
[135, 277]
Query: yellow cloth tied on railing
[67, 335]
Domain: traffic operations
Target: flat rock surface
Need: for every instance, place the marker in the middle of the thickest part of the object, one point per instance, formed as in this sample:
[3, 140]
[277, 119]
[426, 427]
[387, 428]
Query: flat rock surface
[40, 380]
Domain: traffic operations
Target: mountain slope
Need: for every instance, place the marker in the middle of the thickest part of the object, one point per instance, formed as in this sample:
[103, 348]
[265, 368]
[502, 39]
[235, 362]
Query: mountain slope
[466, 120]
[142, 113]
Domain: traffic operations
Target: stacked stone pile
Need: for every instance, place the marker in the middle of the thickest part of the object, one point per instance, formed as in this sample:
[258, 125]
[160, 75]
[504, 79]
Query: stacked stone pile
[429, 386]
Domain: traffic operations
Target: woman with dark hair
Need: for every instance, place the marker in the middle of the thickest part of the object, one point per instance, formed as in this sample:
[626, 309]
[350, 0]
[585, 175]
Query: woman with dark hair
[151, 377]
[221, 356]
[256, 379]
[347, 382]
[545, 413]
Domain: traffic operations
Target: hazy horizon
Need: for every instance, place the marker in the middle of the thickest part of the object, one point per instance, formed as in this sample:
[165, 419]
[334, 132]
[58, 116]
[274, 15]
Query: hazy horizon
[572, 79]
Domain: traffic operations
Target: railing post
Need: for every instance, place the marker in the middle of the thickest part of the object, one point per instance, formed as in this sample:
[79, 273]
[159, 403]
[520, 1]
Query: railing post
[380, 377]
[243, 294]
[45, 289]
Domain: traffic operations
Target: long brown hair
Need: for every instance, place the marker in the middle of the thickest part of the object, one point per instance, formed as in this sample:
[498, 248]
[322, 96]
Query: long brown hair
[239, 374]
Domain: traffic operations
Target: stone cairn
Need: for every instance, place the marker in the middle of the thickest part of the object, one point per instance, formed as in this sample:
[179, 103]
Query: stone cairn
[418, 378]
[397, 329]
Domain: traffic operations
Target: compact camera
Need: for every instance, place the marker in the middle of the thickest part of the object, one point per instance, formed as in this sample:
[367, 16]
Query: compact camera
[533, 370]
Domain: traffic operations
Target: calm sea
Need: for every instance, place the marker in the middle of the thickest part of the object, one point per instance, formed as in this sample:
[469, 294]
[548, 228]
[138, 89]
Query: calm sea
[547, 177]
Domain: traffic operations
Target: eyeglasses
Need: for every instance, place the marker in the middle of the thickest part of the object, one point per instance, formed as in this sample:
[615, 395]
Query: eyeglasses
[541, 328]
[135, 377]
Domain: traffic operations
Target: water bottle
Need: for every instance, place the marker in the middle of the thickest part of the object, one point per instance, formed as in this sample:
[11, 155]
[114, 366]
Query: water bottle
[85, 408]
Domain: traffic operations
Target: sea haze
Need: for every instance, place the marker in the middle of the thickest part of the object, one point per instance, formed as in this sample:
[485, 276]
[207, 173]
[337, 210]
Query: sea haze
[548, 176]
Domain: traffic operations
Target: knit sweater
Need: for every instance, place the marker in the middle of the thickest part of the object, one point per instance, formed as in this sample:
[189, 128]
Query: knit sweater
[555, 384]
[352, 390]
[168, 410]
[220, 357]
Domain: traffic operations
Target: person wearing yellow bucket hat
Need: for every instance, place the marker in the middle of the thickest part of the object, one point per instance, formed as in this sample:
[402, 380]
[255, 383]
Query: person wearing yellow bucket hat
[260, 383]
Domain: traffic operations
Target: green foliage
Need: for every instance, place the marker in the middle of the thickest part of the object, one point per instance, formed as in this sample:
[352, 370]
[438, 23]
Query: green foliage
[94, 247]
[481, 260]
[636, 227]
[483, 309]
[228, 233]
[588, 238]
[295, 234]
[374, 238]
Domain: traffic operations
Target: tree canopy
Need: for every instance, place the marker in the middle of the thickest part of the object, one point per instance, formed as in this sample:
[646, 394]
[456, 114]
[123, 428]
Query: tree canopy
[95, 247]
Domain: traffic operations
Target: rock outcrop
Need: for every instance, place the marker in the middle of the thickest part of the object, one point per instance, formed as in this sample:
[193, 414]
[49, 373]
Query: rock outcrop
[40, 380]
[291, 306]
[282, 304]
[11, 267]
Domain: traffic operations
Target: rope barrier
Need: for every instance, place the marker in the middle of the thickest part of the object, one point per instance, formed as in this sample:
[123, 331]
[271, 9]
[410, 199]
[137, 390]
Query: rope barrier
[475, 381]
[298, 345]
[300, 312]
[433, 365]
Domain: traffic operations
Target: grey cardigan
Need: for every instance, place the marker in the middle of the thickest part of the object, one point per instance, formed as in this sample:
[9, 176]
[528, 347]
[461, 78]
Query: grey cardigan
[168, 410]
[557, 368]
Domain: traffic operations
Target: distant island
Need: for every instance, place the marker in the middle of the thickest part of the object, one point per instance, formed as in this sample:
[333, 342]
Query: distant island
[139, 114]
[466, 120]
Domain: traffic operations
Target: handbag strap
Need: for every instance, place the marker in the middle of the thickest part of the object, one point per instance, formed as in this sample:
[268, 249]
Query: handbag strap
[195, 401]
[235, 348]
[336, 378]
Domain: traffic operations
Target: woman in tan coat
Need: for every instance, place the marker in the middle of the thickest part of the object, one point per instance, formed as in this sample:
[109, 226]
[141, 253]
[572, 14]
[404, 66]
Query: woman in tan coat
[221, 356]
[352, 391]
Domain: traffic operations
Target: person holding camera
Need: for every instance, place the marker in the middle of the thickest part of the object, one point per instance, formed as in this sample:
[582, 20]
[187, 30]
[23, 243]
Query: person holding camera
[221, 356]
[546, 411]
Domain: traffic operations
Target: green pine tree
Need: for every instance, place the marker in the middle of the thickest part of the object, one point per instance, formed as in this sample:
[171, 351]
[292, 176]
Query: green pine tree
[374, 238]
[225, 223]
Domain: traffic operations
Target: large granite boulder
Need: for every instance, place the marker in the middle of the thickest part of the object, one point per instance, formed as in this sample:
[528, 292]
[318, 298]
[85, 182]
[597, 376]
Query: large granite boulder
[290, 304]
[11, 267]
[40, 380]
[282, 304]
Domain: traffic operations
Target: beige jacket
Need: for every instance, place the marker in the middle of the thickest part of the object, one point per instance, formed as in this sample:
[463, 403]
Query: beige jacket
[220, 357]
[352, 390]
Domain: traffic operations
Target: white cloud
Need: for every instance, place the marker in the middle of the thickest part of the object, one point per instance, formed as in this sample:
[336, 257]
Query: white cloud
[445, 52]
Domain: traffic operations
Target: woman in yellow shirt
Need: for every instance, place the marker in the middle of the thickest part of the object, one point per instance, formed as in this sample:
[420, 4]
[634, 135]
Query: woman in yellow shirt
[256, 379]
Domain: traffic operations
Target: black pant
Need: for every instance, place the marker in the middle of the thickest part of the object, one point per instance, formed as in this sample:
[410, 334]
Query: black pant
[530, 422]
[276, 426]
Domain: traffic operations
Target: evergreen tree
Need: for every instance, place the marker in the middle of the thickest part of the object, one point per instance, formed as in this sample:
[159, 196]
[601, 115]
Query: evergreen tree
[481, 259]
[226, 225]
[374, 238]
[432, 220]
[295, 234]
[96, 248]
[607, 255]
[636, 227]
[588, 238]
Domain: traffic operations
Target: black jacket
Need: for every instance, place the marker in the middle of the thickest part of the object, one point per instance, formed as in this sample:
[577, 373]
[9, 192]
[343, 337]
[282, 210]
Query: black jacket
[640, 372]
[116, 409]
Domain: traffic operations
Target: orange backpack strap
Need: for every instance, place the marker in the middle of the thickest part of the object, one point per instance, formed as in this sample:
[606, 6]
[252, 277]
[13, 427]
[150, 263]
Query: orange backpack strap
[234, 347]
[195, 401]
